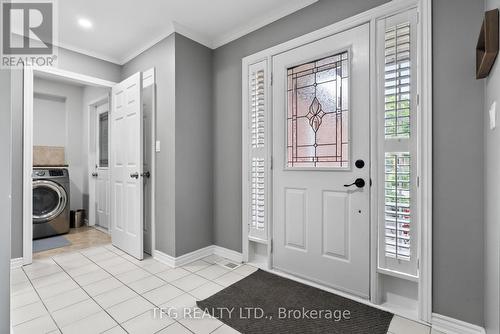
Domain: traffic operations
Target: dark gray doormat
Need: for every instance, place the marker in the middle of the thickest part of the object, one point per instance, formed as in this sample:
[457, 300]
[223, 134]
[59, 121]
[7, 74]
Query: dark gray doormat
[267, 303]
[40, 245]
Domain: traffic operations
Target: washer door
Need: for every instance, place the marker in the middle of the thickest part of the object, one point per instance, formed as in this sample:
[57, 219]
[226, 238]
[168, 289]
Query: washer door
[49, 200]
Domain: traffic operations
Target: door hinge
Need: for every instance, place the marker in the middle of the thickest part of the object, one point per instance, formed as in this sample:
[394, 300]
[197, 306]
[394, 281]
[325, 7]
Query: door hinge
[271, 245]
[271, 163]
[271, 80]
[418, 99]
[418, 264]
[418, 181]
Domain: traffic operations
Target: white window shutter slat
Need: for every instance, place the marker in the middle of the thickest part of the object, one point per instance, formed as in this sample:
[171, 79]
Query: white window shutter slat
[258, 166]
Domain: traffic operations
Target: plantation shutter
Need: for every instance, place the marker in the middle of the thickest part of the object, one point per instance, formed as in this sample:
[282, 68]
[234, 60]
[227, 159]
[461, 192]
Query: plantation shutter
[258, 113]
[397, 95]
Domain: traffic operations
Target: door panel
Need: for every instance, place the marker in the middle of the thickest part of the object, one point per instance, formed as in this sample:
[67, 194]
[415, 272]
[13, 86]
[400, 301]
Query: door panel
[126, 166]
[336, 224]
[320, 126]
[295, 218]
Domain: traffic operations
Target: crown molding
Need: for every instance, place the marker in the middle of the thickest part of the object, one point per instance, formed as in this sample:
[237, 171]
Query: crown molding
[195, 36]
[271, 17]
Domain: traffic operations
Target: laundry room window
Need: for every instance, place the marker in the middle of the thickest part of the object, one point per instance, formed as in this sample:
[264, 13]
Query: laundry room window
[397, 137]
[103, 140]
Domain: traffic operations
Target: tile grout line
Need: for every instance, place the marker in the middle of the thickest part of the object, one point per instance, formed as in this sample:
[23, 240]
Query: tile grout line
[85, 291]
[41, 300]
[125, 255]
[126, 258]
[157, 306]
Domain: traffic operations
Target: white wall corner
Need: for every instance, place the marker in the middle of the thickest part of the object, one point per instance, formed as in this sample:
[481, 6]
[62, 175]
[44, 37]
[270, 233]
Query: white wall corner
[449, 325]
[16, 263]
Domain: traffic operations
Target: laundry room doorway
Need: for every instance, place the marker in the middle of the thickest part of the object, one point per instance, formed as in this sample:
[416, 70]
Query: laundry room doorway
[76, 159]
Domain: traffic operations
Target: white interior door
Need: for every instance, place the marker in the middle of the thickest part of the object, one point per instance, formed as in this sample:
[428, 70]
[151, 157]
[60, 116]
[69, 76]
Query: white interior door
[127, 166]
[320, 135]
[102, 194]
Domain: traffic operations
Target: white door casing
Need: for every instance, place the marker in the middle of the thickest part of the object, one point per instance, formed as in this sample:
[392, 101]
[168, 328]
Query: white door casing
[102, 170]
[126, 138]
[320, 227]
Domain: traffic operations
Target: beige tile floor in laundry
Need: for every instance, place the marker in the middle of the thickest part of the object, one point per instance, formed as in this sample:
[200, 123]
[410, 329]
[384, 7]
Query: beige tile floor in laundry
[103, 290]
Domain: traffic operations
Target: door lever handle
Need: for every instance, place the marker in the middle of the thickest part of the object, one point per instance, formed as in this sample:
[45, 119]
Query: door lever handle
[360, 183]
[146, 174]
[94, 174]
[134, 175]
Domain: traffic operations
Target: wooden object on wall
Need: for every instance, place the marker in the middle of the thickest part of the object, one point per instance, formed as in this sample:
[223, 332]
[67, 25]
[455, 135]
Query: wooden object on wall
[487, 44]
[48, 156]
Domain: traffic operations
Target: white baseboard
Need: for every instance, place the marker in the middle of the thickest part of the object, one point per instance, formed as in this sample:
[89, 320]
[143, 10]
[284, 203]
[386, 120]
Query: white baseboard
[163, 258]
[228, 254]
[196, 255]
[16, 263]
[449, 325]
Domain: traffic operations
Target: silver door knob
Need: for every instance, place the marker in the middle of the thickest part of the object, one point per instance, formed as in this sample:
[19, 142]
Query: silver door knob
[134, 175]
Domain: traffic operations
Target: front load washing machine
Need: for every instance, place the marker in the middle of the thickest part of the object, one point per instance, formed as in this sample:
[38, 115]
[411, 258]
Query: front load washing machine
[50, 202]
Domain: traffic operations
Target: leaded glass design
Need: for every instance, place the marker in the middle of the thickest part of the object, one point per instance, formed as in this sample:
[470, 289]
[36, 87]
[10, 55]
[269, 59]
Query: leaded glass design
[397, 205]
[397, 81]
[317, 113]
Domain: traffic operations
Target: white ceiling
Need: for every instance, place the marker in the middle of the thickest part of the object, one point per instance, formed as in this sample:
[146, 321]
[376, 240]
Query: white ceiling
[124, 28]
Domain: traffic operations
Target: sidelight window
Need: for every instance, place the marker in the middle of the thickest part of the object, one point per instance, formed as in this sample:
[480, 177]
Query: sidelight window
[397, 114]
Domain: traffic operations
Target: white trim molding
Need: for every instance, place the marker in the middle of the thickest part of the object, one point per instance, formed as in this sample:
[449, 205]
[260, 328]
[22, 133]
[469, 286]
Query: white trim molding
[197, 255]
[263, 20]
[449, 325]
[16, 263]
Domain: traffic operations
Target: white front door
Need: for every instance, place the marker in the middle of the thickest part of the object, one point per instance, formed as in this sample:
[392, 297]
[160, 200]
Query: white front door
[102, 166]
[127, 166]
[320, 136]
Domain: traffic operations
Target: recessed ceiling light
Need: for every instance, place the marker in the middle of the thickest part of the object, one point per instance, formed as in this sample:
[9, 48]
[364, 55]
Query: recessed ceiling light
[84, 23]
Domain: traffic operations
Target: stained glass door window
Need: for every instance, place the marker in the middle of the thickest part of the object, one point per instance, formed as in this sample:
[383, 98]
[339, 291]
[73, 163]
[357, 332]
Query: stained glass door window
[318, 113]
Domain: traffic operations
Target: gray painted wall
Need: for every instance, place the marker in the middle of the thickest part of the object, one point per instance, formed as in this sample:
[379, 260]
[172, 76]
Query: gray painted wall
[194, 149]
[458, 162]
[5, 202]
[68, 60]
[184, 127]
[491, 200]
[162, 57]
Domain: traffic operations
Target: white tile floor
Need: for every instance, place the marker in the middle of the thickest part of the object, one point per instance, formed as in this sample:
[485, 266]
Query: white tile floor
[103, 290]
